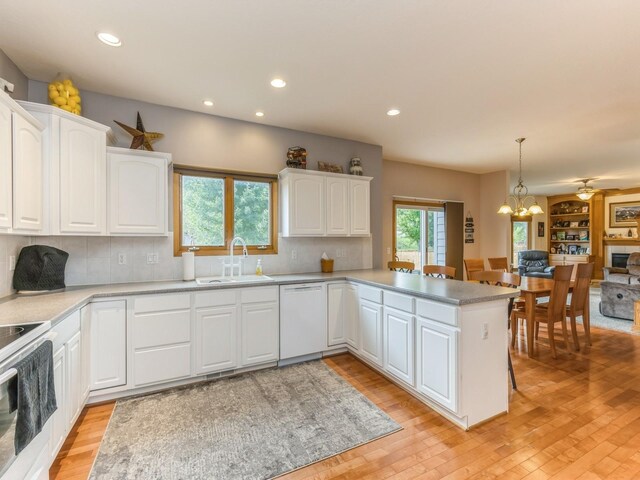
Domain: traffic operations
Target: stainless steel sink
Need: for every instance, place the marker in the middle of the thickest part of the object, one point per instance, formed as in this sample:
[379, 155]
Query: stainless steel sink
[236, 279]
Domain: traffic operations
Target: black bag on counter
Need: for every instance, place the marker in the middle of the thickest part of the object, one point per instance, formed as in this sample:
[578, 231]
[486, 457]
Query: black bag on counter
[40, 268]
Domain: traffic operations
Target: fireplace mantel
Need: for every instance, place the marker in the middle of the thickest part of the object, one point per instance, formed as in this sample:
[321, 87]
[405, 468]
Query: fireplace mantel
[622, 241]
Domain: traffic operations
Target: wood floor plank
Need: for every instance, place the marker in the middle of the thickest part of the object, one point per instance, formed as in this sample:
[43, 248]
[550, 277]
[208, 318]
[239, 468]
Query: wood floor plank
[577, 417]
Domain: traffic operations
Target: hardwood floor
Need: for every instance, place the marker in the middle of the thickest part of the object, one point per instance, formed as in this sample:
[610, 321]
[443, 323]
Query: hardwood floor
[577, 417]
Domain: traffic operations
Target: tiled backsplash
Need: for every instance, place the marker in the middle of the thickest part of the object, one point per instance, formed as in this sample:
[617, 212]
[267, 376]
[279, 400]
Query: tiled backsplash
[95, 260]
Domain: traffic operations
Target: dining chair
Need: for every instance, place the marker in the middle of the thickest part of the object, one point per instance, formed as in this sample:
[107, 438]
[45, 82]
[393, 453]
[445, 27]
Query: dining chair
[473, 265]
[578, 305]
[499, 263]
[554, 312]
[501, 279]
[398, 266]
[439, 271]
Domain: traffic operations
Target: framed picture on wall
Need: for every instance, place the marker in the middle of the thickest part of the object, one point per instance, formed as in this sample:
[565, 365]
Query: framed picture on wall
[624, 214]
[541, 229]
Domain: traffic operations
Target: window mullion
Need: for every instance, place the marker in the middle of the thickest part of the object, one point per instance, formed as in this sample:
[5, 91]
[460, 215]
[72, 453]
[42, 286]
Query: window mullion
[228, 210]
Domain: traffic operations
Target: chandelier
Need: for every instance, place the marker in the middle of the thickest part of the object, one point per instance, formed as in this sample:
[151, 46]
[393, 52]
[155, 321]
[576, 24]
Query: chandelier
[520, 196]
[585, 192]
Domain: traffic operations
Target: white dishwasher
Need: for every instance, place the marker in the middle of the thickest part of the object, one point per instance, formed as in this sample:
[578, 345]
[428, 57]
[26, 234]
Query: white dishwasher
[303, 319]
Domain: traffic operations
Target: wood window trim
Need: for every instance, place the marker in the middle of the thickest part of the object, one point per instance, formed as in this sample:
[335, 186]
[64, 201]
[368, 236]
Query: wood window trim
[228, 176]
[515, 218]
[407, 203]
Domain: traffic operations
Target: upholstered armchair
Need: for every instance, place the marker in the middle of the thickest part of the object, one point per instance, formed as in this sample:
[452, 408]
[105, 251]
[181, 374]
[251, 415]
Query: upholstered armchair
[534, 263]
[627, 276]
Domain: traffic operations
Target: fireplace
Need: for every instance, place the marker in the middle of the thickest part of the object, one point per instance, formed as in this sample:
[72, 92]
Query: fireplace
[619, 260]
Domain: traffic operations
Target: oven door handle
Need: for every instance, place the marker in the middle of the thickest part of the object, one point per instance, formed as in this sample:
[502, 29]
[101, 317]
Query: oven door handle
[8, 375]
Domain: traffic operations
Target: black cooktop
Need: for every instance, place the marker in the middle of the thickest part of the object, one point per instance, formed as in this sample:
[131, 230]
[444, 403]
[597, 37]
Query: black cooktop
[9, 334]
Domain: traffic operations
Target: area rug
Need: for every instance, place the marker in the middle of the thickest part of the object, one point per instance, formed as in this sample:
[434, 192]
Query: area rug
[254, 426]
[608, 323]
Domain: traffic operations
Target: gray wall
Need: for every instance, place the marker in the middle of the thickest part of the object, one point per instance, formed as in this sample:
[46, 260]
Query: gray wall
[9, 71]
[216, 142]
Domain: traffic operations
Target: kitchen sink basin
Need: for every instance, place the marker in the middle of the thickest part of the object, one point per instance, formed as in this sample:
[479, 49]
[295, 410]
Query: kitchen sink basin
[236, 279]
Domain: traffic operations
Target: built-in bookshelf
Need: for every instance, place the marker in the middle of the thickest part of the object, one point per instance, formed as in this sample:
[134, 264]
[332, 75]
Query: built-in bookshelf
[570, 227]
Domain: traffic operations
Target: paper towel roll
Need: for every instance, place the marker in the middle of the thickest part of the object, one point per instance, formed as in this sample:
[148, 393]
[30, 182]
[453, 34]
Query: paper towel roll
[188, 266]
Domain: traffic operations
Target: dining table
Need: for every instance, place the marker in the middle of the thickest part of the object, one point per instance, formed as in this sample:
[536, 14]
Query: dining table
[532, 288]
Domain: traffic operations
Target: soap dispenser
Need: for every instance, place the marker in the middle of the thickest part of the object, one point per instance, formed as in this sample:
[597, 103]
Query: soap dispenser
[259, 267]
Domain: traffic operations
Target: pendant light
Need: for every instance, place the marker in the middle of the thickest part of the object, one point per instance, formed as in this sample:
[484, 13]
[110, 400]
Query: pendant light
[520, 195]
[585, 192]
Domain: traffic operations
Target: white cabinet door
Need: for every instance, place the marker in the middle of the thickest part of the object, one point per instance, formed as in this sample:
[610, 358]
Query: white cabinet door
[337, 206]
[59, 417]
[306, 205]
[74, 377]
[108, 344]
[85, 342]
[371, 331]
[352, 317]
[437, 362]
[27, 175]
[336, 320]
[360, 207]
[260, 333]
[137, 194]
[83, 179]
[6, 189]
[216, 339]
[398, 344]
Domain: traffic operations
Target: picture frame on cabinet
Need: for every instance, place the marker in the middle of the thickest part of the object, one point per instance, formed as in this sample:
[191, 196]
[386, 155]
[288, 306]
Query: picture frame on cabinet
[554, 236]
[561, 235]
[540, 229]
[570, 237]
[584, 236]
[573, 249]
[574, 224]
[585, 209]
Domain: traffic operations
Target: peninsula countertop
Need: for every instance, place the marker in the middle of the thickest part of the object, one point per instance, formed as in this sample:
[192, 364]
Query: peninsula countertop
[53, 307]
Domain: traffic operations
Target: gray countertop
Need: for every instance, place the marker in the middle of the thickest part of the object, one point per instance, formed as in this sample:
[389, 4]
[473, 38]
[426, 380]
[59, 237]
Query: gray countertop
[16, 309]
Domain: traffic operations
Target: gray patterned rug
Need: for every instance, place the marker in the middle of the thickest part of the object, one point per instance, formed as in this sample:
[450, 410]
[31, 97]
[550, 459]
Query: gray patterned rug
[255, 426]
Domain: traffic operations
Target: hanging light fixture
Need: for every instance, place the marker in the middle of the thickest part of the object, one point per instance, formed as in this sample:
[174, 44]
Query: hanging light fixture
[520, 195]
[585, 192]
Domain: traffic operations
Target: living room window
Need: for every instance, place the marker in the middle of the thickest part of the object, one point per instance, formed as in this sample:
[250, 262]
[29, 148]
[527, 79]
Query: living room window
[212, 207]
[520, 236]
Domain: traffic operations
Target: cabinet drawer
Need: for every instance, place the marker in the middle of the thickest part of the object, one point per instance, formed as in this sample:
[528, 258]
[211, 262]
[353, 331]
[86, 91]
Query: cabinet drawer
[162, 364]
[164, 328]
[370, 293]
[258, 294]
[66, 329]
[216, 299]
[437, 311]
[159, 303]
[399, 301]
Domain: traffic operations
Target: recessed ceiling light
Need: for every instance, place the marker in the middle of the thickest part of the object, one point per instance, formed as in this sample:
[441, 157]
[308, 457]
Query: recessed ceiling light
[109, 39]
[259, 114]
[208, 103]
[278, 83]
[393, 112]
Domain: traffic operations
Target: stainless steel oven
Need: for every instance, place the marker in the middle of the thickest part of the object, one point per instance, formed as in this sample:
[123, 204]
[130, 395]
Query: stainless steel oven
[16, 342]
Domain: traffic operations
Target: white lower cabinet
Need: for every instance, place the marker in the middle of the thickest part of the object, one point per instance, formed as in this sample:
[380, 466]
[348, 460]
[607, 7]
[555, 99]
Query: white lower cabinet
[260, 333]
[437, 362]
[59, 418]
[371, 331]
[216, 339]
[108, 344]
[342, 314]
[399, 344]
[74, 377]
[85, 329]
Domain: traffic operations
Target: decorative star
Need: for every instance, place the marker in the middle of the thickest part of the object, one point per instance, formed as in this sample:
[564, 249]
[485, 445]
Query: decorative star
[141, 138]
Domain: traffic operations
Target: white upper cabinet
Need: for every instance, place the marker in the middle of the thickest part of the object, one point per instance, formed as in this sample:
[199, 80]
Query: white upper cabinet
[337, 206]
[28, 175]
[83, 179]
[75, 167]
[6, 177]
[319, 204]
[360, 207]
[138, 198]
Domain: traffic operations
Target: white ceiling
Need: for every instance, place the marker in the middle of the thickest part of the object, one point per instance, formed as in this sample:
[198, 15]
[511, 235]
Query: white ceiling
[469, 76]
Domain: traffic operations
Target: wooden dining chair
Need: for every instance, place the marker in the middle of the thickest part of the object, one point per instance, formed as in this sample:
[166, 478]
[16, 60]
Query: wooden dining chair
[501, 279]
[439, 271]
[473, 265]
[554, 312]
[499, 263]
[578, 305]
[398, 266]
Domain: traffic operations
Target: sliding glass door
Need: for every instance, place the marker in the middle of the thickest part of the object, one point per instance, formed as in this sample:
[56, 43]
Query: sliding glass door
[419, 235]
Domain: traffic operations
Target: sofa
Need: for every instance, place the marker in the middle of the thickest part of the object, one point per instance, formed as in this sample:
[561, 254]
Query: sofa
[626, 276]
[534, 263]
[618, 299]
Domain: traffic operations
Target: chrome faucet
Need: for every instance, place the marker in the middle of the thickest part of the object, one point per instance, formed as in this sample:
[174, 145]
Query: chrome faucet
[245, 254]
